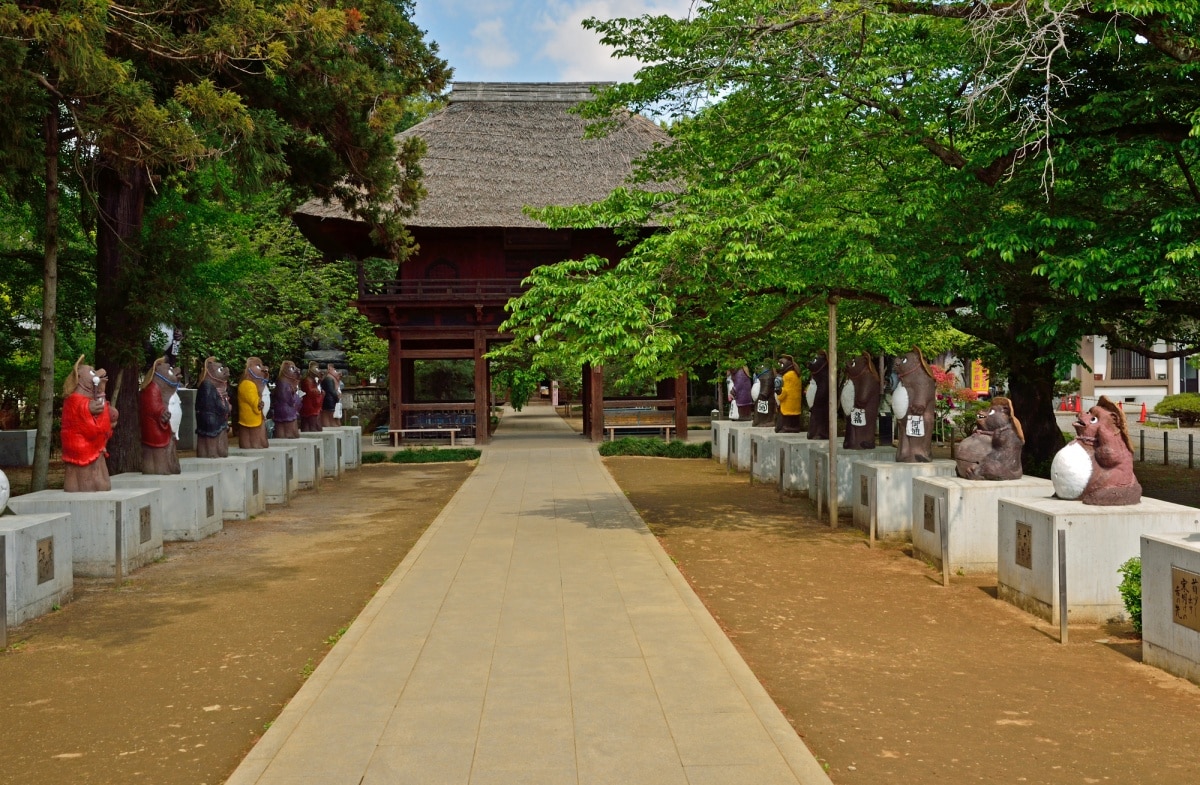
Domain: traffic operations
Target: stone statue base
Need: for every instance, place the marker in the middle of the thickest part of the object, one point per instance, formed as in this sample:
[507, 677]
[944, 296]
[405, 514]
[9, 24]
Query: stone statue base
[213, 446]
[287, 430]
[87, 479]
[253, 438]
[160, 460]
[310, 423]
[327, 420]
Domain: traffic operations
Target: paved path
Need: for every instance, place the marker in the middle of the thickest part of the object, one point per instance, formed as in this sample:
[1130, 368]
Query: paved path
[536, 633]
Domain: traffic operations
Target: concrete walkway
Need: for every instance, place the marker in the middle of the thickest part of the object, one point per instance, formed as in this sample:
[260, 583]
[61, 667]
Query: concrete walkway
[537, 633]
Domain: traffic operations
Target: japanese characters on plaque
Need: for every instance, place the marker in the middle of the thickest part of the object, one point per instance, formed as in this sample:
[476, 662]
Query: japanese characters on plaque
[1024, 545]
[144, 524]
[864, 491]
[1185, 598]
[45, 560]
[930, 514]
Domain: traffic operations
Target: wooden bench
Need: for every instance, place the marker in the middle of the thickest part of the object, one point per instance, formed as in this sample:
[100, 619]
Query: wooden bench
[394, 432]
[625, 420]
[1162, 419]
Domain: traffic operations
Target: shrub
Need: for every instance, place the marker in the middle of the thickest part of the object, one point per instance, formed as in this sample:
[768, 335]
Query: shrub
[1131, 590]
[374, 457]
[656, 448]
[435, 455]
[1185, 406]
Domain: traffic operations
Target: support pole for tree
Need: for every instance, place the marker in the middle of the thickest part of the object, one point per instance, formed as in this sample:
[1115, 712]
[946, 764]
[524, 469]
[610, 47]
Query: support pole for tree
[45, 410]
[832, 411]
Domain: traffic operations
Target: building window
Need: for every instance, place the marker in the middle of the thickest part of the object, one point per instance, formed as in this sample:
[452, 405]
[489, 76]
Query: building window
[1125, 364]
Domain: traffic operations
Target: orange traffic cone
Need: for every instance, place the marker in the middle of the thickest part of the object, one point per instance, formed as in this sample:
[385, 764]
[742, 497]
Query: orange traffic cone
[1062, 406]
[1142, 416]
[1078, 405]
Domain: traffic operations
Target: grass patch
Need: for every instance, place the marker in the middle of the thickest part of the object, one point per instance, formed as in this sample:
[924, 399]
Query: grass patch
[656, 448]
[374, 457]
[435, 455]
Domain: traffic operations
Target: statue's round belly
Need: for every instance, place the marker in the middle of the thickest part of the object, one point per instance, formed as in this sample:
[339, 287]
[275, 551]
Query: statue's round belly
[1070, 471]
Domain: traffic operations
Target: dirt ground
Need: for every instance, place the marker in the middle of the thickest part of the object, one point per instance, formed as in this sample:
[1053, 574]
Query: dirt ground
[171, 678]
[891, 678]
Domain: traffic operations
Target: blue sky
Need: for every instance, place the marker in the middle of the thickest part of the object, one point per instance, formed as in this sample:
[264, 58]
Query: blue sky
[531, 40]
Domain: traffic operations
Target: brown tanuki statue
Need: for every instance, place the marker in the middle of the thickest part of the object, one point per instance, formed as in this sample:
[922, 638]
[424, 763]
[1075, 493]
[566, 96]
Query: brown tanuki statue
[818, 397]
[331, 393]
[860, 402]
[212, 411]
[993, 450]
[252, 426]
[913, 403]
[1097, 468]
[313, 397]
[159, 454]
[87, 424]
[285, 402]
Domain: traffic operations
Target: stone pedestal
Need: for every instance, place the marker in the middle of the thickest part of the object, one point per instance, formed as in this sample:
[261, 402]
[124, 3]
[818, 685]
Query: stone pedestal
[16, 448]
[37, 564]
[796, 470]
[721, 429]
[307, 461]
[108, 528]
[1171, 603]
[242, 485]
[278, 471]
[765, 449]
[972, 509]
[1099, 540]
[187, 426]
[818, 473]
[191, 502]
[351, 445]
[883, 489]
[330, 442]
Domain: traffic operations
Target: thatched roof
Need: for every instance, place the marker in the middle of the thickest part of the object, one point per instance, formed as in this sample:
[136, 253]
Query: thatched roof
[498, 147]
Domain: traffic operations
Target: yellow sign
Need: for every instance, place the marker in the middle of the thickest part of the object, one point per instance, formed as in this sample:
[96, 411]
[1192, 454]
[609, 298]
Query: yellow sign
[979, 377]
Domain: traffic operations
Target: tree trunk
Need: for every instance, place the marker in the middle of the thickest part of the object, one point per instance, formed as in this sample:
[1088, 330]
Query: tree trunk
[121, 202]
[45, 415]
[1031, 388]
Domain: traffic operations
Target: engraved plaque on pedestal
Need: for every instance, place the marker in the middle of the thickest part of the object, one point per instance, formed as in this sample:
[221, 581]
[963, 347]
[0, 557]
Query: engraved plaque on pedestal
[930, 514]
[144, 521]
[1185, 598]
[209, 504]
[1024, 545]
[289, 470]
[45, 560]
[864, 494]
[339, 449]
[254, 482]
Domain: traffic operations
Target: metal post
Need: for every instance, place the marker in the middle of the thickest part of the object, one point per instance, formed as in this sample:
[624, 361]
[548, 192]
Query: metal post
[833, 398]
[1166, 448]
[1190, 441]
[944, 537]
[753, 457]
[729, 452]
[873, 516]
[3, 592]
[782, 458]
[119, 571]
[1062, 586]
[1142, 446]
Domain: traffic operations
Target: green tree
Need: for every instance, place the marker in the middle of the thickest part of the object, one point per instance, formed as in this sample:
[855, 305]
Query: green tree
[944, 162]
[308, 91]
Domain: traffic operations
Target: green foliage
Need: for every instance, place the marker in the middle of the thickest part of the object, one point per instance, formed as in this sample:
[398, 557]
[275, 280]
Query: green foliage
[374, 457]
[1131, 590]
[444, 380]
[435, 455]
[1185, 406]
[656, 448]
[521, 384]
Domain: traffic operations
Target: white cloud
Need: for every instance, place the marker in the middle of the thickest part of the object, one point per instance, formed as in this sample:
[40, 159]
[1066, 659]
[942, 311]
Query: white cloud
[578, 53]
[492, 48]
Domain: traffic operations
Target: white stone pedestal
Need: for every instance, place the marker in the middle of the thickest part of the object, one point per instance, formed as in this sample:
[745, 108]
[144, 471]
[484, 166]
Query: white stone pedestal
[721, 430]
[972, 518]
[884, 489]
[307, 460]
[191, 502]
[330, 441]
[765, 448]
[121, 526]
[1171, 603]
[242, 485]
[1099, 540]
[795, 473]
[37, 564]
[279, 471]
[351, 446]
[818, 473]
[16, 448]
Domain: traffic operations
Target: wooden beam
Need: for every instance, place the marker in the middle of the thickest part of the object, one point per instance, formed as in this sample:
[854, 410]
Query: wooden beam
[438, 354]
[681, 406]
[395, 379]
[482, 413]
[596, 403]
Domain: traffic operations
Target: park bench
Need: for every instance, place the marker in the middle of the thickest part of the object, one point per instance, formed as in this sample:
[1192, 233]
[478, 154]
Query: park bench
[388, 435]
[1162, 419]
[638, 420]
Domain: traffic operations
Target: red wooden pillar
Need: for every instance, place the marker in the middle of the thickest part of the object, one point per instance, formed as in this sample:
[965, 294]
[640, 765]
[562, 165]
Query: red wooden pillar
[395, 380]
[681, 406]
[585, 398]
[482, 413]
[595, 384]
